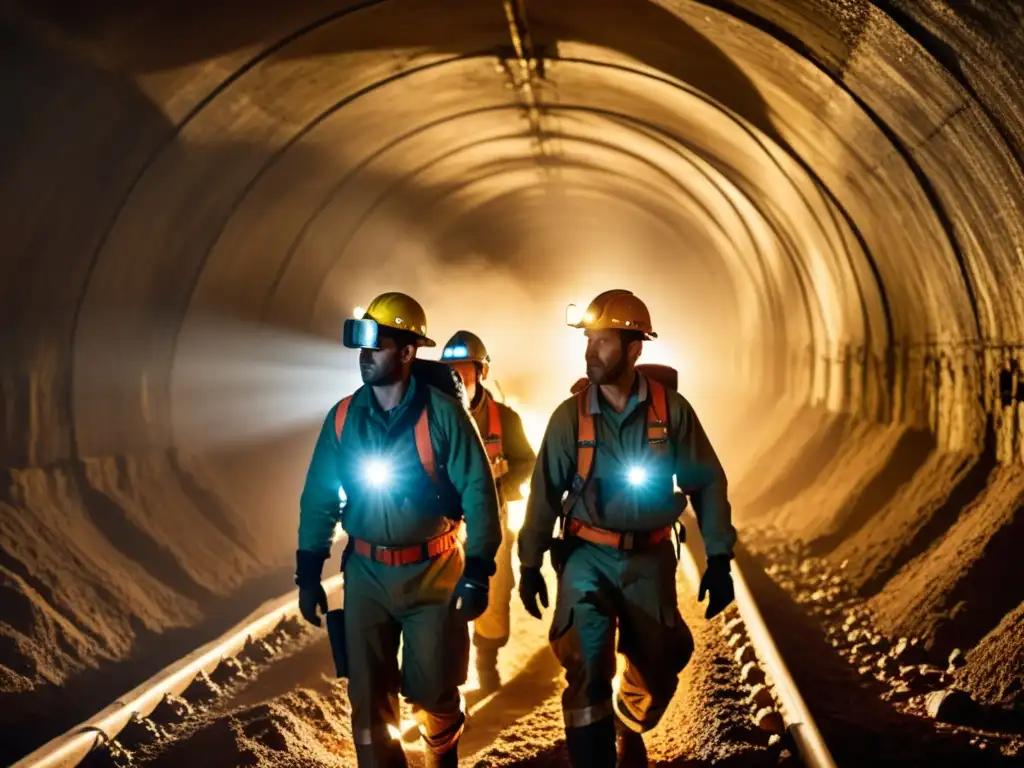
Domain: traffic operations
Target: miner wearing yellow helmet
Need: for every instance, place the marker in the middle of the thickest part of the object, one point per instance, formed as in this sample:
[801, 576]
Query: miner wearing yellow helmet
[605, 470]
[412, 471]
[512, 461]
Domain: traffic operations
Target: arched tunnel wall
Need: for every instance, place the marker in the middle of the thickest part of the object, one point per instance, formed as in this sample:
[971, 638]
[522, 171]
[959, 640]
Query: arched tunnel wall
[837, 185]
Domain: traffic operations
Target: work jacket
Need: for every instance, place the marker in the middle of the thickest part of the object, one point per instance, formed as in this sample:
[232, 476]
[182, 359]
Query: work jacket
[408, 507]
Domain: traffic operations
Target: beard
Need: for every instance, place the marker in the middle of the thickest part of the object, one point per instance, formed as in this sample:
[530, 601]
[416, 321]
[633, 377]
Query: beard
[379, 373]
[599, 373]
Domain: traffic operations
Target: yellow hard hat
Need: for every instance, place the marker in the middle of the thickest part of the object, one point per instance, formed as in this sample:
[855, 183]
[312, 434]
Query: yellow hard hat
[616, 309]
[401, 312]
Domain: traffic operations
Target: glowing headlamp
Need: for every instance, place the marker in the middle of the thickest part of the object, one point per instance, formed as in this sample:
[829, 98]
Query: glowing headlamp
[455, 353]
[576, 316]
[637, 476]
[376, 472]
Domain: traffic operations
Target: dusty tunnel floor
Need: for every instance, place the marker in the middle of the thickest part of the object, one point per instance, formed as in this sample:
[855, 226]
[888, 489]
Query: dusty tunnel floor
[279, 706]
[872, 697]
[290, 713]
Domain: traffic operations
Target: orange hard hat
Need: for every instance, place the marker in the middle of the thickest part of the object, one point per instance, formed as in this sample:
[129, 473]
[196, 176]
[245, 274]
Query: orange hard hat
[616, 309]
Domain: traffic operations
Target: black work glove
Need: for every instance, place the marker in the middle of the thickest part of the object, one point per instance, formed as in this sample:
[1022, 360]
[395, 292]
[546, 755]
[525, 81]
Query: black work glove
[532, 588]
[717, 581]
[308, 566]
[471, 593]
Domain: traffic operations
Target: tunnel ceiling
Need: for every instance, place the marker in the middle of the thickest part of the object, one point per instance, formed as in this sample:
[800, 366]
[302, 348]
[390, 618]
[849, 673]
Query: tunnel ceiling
[841, 174]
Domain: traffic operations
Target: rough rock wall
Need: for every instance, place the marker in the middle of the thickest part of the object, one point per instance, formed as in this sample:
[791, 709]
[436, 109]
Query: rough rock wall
[96, 555]
[927, 534]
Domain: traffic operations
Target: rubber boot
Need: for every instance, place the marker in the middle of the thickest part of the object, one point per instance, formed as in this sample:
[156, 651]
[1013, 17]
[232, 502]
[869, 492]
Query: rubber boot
[487, 670]
[449, 759]
[631, 752]
[592, 746]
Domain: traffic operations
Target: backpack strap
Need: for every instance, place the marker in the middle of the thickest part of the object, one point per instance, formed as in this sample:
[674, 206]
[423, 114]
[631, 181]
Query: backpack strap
[586, 447]
[657, 415]
[493, 440]
[424, 447]
[340, 415]
[586, 438]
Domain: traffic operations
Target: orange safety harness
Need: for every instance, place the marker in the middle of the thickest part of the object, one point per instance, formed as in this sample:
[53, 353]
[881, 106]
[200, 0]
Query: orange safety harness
[493, 442]
[657, 440]
[415, 553]
[424, 448]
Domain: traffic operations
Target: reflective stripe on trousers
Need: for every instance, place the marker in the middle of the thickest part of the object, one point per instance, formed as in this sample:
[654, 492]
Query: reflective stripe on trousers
[366, 736]
[584, 716]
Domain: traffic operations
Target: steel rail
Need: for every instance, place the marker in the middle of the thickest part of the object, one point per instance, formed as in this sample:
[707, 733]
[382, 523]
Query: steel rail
[798, 719]
[73, 746]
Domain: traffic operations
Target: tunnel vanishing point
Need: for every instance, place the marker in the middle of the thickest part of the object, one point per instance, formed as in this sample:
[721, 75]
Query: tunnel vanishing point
[841, 179]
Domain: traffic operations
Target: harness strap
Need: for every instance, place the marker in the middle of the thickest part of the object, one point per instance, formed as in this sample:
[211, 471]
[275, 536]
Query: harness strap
[415, 553]
[340, 415]
[493, 441]
[657, 413]
[627, 540]
[586, 435]
[424, 446]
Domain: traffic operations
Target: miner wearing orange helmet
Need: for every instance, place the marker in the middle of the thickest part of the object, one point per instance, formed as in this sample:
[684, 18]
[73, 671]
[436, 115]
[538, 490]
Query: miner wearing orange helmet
[512, 460]
[412, 471]
[605, 470]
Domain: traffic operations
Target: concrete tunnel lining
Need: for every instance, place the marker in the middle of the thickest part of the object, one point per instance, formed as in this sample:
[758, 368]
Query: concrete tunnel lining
[278, 49]
[861, 188]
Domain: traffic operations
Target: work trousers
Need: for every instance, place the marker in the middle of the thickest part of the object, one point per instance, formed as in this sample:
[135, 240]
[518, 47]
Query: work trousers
[599, 589]
[412, 604]
[491, 629]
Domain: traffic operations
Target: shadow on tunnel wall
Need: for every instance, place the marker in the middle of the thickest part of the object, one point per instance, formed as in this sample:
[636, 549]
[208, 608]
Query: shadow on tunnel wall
[908, 456]
[808, 467]
[971, 485]
[74, 172]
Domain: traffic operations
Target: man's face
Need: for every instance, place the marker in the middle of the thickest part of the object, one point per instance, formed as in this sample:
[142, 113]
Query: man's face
[606, 358]
[467, 370]
[380, 367]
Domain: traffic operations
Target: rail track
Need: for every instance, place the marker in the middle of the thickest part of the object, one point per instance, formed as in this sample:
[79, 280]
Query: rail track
[775, 701]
